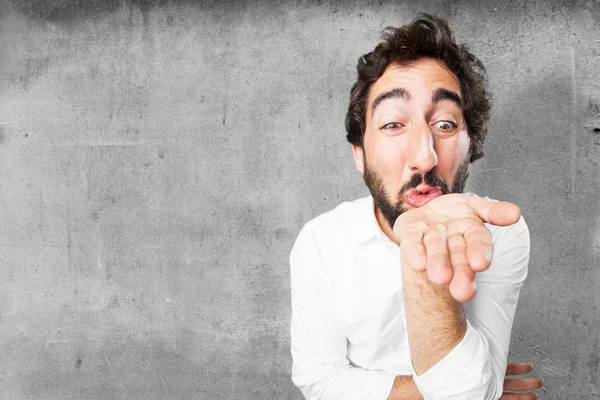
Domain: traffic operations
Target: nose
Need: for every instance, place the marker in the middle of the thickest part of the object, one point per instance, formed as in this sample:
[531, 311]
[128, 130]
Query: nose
[422, 155]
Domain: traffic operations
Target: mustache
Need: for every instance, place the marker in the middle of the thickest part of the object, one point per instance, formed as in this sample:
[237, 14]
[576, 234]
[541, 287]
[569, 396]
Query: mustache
[429, 178]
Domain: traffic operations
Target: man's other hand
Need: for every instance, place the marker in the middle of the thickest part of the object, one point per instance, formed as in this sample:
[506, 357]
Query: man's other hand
[519, 388]
[447, 238]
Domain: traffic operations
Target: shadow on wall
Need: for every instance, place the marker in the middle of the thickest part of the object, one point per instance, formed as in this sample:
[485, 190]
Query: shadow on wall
[542, 150]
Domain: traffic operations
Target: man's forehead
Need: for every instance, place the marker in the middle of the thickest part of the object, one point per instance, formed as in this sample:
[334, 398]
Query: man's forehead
[422, 76]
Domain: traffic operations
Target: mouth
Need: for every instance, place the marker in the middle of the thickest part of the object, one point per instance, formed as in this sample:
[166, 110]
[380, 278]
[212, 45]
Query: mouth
[421, 195]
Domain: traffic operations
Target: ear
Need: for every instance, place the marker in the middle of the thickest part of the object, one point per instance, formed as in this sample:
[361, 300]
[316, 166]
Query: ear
[359, 158]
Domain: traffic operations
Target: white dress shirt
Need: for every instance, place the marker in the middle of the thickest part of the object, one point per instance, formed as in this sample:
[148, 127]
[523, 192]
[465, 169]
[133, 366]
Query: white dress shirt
[348, 329]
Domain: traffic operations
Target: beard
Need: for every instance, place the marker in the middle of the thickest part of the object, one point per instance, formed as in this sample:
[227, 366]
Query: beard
[392, 210]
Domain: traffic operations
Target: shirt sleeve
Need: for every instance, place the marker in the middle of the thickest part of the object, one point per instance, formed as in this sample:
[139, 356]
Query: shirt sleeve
[475, 368]
[320, 366]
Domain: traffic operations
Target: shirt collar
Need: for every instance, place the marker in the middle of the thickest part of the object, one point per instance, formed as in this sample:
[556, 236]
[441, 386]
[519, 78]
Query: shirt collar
[366, 226]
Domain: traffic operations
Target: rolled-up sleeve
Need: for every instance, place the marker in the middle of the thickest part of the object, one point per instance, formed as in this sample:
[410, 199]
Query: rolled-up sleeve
[476, 367]
[320, 367]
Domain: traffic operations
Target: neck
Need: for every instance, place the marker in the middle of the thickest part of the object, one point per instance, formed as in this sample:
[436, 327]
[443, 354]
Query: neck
[384, 225]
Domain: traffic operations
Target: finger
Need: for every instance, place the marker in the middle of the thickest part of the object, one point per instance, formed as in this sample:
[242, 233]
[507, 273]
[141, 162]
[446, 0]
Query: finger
[480, 247]
[518, 368]
[462, 287]
[523, 384]
[518, 396]
[411, 246]
[495, 212]
[439, 270]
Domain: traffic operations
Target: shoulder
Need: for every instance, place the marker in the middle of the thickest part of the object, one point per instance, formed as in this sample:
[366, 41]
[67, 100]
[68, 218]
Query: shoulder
[341, 223]
[328, 236]
[512, 235]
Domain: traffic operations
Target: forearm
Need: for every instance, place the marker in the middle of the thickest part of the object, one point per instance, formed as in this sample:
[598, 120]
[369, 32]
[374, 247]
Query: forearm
[344, 383]
[454, 357]
[405, 389]
[451, 359]
[435, 321]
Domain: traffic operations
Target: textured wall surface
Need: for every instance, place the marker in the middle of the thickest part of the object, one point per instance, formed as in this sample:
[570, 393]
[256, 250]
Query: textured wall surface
[158, 158]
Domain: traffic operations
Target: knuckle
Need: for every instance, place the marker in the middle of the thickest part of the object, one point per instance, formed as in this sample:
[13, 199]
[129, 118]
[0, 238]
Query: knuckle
[456, 241]
[481, 233]
[434, 234]
[413, 249]
[421, 226]
[518, 384]
[412, 231]
[441, 228]
[409, 237]
[460, 265]
[457, 247]
[433, 240]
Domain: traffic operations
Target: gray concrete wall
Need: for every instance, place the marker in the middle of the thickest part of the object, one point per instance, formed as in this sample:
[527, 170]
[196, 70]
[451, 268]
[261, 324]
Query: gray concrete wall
[158, 158]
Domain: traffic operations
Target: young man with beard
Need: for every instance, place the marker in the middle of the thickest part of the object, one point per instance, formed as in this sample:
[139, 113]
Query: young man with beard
[411, 292]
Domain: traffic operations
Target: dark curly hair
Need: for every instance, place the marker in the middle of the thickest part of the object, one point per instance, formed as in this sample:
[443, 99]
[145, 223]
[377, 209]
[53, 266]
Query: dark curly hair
[425, 36]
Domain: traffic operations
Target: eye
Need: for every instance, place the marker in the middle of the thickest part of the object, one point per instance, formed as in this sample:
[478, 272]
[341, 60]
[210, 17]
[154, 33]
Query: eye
[445, 125]
[392, 126]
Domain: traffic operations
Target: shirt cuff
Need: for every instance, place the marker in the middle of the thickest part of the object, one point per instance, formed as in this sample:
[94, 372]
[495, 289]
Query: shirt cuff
[348, 383]
[464, 373]
[382, 385]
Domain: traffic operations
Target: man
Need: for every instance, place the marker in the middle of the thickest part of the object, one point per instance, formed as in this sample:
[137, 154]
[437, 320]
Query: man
[411, 293]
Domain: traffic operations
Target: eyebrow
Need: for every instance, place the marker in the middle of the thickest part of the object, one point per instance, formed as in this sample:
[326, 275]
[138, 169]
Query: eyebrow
[445, 94]
[397, 93]
[439, 94]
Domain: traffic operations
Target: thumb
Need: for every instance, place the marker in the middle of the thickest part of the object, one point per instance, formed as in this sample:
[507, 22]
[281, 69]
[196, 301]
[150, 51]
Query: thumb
[493, 212]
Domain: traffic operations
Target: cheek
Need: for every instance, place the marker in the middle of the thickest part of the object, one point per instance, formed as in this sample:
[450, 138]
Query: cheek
[387, 157]
[392, 158]
[452, 154]
[464, 145]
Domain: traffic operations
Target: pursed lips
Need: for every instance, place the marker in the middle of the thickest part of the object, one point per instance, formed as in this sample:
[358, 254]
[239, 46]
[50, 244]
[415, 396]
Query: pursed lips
[421, 195]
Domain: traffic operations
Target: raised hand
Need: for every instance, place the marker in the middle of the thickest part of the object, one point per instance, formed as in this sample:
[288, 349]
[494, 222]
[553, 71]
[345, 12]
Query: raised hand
[447, 238]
